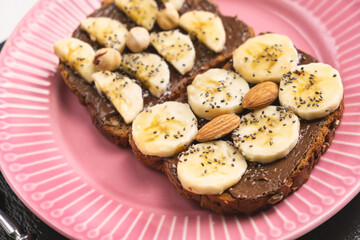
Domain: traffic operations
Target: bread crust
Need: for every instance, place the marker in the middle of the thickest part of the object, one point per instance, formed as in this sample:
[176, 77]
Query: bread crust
[154, 162]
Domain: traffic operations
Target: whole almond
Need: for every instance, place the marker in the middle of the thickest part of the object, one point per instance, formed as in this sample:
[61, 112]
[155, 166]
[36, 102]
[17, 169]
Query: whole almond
[218, 127]
[107, 2]
[262, 95]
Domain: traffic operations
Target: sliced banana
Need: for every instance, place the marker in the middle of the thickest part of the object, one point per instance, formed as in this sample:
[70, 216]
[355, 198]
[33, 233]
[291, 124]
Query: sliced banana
[150, 69]
[207, 27]
[267, 134]
[164, 129]
[265, 57]
[313, 91]
[142, 12]
[210, 168]
[176, 48]
[108, 32]
[125, 94]
[216, 92]
[78, 55]
[177, 3]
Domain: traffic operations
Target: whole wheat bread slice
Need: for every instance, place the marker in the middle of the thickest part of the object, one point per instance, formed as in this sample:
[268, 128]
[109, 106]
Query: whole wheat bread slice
[103, 113]
[231, 201]
[257, 189]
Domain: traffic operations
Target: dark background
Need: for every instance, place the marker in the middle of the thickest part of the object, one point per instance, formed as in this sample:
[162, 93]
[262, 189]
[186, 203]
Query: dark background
[344, 225]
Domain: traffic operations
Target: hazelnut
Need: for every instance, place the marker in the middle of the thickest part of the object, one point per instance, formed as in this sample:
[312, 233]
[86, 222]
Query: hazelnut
[107, 59]
[138, 39]
[168, 18]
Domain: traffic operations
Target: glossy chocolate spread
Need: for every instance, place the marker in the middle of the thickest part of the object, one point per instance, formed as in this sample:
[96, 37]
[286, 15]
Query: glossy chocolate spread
[260, 179]
[236, 31]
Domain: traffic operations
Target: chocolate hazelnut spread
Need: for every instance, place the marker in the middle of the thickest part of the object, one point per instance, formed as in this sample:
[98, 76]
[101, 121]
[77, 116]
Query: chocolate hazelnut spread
[262, 179]
[89, 94]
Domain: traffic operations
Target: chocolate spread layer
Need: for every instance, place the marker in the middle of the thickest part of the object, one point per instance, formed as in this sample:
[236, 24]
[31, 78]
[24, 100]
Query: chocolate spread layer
[237, 32]
[92, 96]
[260, 179]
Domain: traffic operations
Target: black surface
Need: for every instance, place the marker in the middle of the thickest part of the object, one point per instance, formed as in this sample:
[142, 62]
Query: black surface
[344, 225]
[20, 214]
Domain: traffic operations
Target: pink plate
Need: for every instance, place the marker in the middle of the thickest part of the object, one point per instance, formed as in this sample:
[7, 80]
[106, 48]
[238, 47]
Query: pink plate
[66, 172]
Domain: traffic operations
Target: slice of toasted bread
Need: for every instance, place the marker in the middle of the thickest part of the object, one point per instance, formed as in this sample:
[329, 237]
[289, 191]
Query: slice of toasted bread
[262, 185]
[104, 115]
[257, 189]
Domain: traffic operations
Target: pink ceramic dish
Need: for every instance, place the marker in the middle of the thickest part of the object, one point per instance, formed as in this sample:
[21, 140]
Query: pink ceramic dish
[66, 172]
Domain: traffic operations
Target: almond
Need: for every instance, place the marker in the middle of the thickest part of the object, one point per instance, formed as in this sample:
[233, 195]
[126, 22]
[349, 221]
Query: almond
[107, 2]
[218, 127]
[262, 95]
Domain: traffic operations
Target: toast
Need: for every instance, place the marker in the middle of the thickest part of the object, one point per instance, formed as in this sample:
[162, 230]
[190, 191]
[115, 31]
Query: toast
[103, 113]
[260, 188]
[243, 197]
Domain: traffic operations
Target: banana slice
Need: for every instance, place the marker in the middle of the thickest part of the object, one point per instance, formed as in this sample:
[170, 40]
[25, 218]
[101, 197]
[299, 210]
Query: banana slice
[125, 94]
[210, 168]
[313, 91]
[142, 12]
[267, 134]
[216, 92]
[265, 57]
[78, 55]
[108, 32]
[207, 27]
[150, 69]
[164, 129]
[177, 3]
[176, 48]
